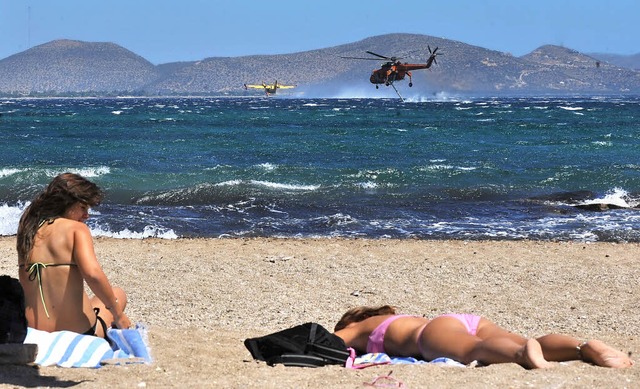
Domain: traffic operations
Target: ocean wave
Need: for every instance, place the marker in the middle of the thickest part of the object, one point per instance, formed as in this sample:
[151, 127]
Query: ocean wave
[91, 172]
[616, 196]
[602, 143]
[267, 166]
[147, 232]
[222, 193]
[278, 185]
[441, 167]
[10, 218]
[9, 171]
[367, 185]
[36, 174]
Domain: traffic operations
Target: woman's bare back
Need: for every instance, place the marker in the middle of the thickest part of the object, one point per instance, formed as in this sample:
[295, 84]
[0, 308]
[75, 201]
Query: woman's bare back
[52, 282]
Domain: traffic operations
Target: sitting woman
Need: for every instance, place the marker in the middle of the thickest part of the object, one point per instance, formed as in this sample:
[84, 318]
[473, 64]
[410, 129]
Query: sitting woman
[464, 338]
[56, 256]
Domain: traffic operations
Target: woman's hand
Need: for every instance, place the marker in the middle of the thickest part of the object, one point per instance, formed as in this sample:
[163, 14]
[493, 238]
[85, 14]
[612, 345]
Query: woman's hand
[121, 321]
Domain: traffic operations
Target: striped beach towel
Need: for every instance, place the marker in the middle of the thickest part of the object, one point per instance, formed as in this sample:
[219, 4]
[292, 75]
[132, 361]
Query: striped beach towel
[374, 359]
[70, 349]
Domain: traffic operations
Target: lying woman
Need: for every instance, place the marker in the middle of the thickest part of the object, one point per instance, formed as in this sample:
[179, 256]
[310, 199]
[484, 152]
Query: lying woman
[464, 338]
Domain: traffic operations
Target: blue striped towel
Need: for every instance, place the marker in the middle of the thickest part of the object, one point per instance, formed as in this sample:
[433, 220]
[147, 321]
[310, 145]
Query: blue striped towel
[373, 359]
[70, 349]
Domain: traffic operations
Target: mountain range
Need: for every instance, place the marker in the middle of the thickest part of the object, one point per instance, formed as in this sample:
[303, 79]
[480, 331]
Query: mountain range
[68, 67]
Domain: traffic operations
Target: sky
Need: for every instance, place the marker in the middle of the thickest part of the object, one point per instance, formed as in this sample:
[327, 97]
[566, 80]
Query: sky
[165, 31]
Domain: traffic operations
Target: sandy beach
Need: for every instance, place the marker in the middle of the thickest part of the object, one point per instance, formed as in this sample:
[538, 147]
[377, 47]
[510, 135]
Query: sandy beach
[201, 298]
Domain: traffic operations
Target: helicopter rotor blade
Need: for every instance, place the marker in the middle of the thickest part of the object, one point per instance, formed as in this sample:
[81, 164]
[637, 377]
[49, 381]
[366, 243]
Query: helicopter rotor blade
[433, 54]
[392, 59]
[378, 55]
[369, 58]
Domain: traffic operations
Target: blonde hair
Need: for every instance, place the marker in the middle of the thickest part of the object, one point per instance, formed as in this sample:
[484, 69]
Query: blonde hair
[358, 314]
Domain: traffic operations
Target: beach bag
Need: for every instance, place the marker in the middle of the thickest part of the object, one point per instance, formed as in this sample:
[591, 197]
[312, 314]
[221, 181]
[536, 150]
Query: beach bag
[305, 345]
[13, 322]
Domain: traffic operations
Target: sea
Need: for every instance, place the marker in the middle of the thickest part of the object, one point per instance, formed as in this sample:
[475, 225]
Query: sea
[424, 168]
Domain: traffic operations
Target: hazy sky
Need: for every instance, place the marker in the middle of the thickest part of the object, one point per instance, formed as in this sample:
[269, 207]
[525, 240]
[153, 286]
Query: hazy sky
[184, 30]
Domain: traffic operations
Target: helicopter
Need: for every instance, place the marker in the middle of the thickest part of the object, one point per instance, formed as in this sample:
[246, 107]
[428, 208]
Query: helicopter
[269, 89]
[394, 70]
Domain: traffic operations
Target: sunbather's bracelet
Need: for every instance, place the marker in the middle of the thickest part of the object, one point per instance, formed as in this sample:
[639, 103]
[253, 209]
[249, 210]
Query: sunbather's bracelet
[579, 350]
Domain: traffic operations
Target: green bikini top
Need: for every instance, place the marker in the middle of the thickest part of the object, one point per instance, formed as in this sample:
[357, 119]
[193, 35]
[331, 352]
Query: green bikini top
[35, 272]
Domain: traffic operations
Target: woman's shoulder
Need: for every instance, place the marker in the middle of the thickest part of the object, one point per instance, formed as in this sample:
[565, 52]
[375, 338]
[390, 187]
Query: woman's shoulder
[68, 226]
[63, 221]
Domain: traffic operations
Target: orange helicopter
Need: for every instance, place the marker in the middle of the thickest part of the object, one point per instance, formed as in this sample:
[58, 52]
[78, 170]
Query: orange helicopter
[394, 70]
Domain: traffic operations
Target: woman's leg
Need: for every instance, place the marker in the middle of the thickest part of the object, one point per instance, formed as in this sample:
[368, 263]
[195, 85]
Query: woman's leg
[105, 314]
[565, 348]
[447, 336]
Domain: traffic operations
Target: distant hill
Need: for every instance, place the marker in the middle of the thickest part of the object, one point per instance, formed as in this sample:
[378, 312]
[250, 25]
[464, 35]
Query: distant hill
[72, 67]
[625, 61]
[64, 66]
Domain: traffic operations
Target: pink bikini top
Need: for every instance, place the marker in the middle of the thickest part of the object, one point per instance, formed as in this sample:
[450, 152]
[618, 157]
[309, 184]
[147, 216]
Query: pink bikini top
[376, 338]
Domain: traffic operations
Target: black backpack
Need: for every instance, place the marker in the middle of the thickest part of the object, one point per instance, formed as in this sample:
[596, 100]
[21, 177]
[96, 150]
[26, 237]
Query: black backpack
[13, 322]
[305, 345]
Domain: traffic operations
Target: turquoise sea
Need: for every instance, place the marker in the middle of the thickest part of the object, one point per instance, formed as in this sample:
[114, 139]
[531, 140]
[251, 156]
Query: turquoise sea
[508, 168]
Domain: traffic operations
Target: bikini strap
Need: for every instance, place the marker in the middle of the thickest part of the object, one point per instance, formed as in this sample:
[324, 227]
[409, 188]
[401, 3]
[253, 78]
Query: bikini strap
[34, 273]
[48, 220]
[103, 324]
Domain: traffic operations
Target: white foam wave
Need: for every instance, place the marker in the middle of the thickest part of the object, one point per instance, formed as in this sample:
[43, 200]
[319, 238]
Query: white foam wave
[367, 185]
[439, 167]
[618, 197]
[602, 143]
[229, 183]
[267, 166]
[148, 232]
[88, 172]
[9, 172]
[571, 108]
[277, 185]
[10, 217]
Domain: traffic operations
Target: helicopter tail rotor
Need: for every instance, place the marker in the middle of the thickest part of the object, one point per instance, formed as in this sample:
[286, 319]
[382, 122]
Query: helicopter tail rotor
[432, 56]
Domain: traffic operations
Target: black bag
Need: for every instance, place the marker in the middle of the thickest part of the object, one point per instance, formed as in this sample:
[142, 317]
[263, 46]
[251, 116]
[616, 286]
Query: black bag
[305, 345]
[13, 322]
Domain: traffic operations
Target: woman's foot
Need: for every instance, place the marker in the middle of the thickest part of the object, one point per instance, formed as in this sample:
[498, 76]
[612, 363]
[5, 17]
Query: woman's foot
[531, 356]
[602, 354]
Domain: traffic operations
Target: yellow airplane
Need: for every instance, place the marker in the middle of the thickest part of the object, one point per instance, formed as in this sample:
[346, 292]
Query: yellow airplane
[269, 89]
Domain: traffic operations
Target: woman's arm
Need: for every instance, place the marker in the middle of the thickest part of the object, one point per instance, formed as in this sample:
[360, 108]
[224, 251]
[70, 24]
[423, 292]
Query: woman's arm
[85, 257]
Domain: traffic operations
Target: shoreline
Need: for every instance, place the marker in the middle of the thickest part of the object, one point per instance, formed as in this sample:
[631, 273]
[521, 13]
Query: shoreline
[200, 298]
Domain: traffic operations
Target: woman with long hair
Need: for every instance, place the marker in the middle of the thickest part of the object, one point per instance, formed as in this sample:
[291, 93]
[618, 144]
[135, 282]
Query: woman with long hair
[56, 256]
